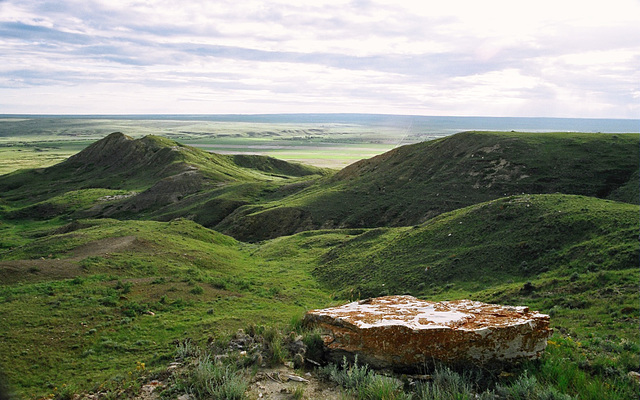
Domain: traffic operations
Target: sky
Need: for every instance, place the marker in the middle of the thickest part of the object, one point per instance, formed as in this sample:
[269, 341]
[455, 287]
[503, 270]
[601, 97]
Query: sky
[544, 58]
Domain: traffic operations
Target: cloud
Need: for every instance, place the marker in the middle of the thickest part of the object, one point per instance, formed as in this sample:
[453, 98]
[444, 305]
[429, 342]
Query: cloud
[456, 58]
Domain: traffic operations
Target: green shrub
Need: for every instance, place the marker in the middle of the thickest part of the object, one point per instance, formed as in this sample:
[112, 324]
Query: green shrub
[210, 380]
[125, 287]
[187, 349]
[526, 387]
[197, 290]
[315, 344]
[447, 384]
[351, 377]
[382, 388]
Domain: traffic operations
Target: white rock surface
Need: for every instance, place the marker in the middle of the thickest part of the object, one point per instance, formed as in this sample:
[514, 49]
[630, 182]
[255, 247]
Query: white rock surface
[405, 332]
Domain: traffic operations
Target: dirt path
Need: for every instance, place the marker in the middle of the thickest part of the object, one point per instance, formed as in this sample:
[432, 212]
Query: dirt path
[102, 247]
[46, 268]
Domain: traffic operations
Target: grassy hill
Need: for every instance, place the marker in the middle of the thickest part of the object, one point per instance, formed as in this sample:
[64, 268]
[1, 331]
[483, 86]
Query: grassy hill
[120, 176]
[414, 183]
[84, 302]
[106, 260]
[526, 247]
[518, 238]
[253, 198]
[573, 257]
[77, 299]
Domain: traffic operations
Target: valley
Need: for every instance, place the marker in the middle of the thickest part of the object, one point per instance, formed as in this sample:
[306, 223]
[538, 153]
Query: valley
[135, 244]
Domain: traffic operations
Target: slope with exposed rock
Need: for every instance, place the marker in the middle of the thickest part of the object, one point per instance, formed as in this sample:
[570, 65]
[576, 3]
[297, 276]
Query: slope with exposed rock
[414, 183]
[144, 175]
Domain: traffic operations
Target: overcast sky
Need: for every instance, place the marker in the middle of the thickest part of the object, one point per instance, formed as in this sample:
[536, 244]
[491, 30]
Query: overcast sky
[558, 58]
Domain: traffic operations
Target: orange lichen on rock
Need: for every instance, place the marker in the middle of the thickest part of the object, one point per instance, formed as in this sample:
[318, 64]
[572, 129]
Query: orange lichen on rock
[405, 332]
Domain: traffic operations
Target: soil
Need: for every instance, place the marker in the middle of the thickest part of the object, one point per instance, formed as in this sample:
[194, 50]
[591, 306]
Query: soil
[48, 268]
[274, 383]
[267, 383]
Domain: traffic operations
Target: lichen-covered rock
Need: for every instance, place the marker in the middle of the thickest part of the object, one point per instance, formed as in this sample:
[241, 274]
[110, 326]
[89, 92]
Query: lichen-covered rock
[403, 332]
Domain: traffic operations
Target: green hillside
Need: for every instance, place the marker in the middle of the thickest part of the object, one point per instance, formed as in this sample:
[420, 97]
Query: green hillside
[414, 183]
[518, 238]
[110, 258]
[84, 302]
[125, 177]
[573, 257]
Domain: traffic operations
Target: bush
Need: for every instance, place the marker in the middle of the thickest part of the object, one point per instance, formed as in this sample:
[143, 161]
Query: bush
[527, 387]
[315, 345]
[187, 349]
[197, 290]
[447, 384]
[210, 380]
[382, 388]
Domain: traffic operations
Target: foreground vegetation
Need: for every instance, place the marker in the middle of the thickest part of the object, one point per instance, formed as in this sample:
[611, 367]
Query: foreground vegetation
[224, 369]
[106, 267]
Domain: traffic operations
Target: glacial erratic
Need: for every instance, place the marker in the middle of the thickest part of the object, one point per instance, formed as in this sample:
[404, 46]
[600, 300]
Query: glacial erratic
[403, 332]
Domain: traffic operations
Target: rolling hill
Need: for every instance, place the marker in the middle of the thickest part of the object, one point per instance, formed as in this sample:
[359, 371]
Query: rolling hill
[120, 176]
[107, 259]
[414, 183]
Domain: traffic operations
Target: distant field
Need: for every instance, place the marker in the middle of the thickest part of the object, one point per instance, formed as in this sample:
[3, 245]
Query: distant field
[41, 142]
[21, 154]
[324, 140]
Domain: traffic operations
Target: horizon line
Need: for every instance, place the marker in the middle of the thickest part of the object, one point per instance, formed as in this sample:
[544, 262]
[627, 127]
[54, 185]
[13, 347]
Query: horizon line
[44, 115]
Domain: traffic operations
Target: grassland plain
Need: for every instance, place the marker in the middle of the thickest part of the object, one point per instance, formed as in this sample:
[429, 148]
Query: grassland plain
[83, 300]
[39, 141]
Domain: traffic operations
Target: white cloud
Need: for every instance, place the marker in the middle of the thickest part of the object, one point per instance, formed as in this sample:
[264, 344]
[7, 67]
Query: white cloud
[456, 57]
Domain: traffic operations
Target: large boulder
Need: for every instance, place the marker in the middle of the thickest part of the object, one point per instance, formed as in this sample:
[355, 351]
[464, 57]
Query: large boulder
[402, 332]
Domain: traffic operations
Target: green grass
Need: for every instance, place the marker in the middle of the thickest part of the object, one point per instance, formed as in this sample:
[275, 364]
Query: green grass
[84, 301]
[414, 183]
[17, 154]
[85, 329]
[199, 283]
[573, 257]
[573, 233]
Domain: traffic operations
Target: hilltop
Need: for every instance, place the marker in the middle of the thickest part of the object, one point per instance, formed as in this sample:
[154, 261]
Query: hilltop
[414, 183]
[121, 176]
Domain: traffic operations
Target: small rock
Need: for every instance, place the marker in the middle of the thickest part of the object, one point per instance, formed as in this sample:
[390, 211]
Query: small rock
[295, 378]
[634, 375]
[173, 366]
